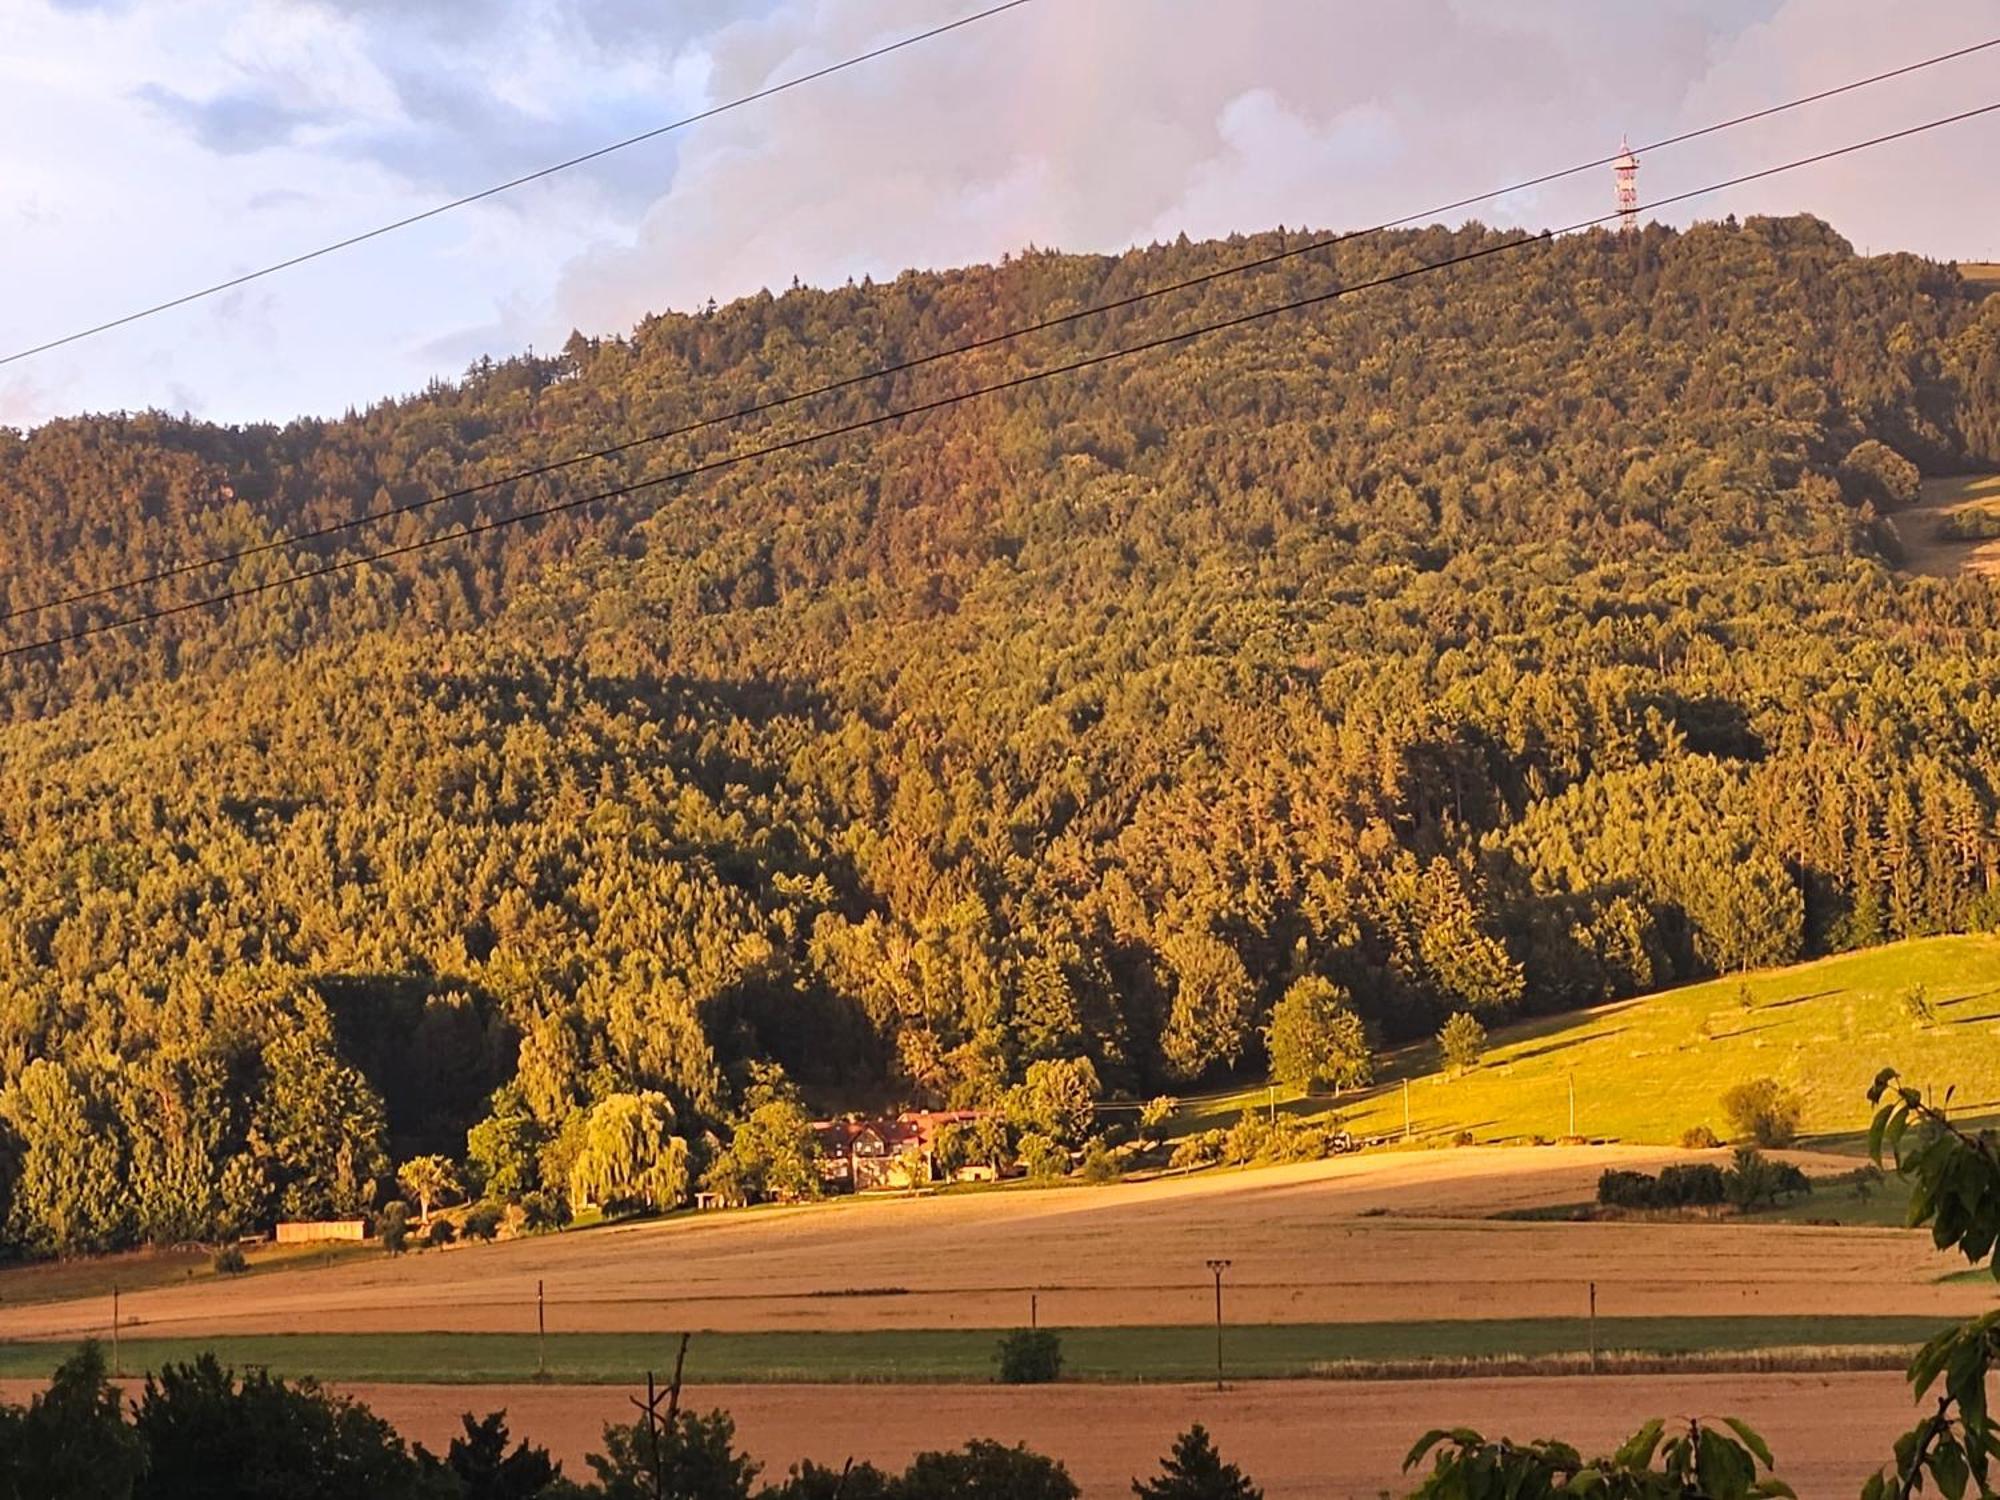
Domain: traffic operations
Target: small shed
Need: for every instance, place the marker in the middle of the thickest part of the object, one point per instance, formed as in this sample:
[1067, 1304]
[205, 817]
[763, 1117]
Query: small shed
[316, 1231]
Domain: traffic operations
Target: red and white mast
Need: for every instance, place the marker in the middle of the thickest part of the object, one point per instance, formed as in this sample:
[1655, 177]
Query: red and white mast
[1625, 169]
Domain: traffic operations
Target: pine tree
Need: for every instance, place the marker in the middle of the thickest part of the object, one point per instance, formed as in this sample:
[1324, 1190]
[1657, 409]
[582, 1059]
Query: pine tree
[1195, 1471]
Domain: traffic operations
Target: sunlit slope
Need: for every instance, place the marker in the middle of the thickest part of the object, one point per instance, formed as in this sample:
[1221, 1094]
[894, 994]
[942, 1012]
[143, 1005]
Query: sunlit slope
[1647, 1070]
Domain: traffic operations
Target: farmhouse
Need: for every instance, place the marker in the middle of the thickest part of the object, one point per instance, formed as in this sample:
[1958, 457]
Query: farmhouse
[858, 1154]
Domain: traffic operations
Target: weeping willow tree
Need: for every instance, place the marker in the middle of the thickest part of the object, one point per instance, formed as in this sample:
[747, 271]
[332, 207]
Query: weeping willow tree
[630, 1157]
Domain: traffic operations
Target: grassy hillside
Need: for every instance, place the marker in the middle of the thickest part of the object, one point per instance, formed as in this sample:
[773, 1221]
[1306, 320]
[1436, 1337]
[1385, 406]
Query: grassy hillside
[1648, 1069]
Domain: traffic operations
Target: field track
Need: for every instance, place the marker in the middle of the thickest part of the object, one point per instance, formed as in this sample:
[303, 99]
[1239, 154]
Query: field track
[1305, 1440]
[1389, 1236]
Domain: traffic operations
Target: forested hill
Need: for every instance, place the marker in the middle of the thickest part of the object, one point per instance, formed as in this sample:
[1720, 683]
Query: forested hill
[1505, 639]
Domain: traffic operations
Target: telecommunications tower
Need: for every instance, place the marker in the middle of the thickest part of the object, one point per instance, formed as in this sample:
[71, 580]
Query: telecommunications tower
[1625, 168]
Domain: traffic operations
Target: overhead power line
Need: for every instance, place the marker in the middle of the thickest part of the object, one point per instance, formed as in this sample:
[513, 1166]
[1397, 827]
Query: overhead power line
[480, 528]
[509, 185]
[881, 372]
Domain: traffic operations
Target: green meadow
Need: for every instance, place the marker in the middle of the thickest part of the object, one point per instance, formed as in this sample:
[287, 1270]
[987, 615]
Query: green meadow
[1649, 1069]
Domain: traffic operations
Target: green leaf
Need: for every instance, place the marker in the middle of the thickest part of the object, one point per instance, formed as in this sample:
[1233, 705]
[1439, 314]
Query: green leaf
[1752, 1441]
[1423, 1446]
[1637, 1451]
[1948, 1468]
[1726, 1471]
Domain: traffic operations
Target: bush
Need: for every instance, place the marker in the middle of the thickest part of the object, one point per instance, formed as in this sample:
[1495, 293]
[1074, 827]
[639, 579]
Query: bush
[1755, 1181]
[1976, 524]
[1099, 1165]
[229, 1261]
[1690, 1185]
[1247, 1139]
[1750, 1181]
[1030, 1356]
[540, 1211]
[1917, 1005]
[985, 1470]
[1462, 1041]
[206, 1431]
[482, 1221]
[1042, 1156]
[811, 1481]
[441, 1232]
[1865, 1179]
[394, 1228]
[692, 1456]
[1156, 1112]
[1254, 1138]
[1699, 1138]
[1203, 1150]
[1764, 1111]
[1618, 1189]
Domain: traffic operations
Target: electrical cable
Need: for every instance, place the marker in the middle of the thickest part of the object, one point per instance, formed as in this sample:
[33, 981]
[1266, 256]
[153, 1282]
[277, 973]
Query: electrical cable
[761, 408]
[508, 186]
[480, 528]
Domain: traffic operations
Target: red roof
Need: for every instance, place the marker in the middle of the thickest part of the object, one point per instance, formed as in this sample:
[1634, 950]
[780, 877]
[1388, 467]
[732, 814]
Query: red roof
[913, 1127]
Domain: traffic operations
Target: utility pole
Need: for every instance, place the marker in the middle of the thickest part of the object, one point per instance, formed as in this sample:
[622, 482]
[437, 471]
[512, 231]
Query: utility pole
[1593, 1328]
[116, 1367]
[1216, 1268]
[541, 1335]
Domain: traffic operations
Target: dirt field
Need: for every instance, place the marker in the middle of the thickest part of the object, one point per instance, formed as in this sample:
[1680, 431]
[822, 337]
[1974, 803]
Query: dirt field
[1391, 1236]
[1303, 1440]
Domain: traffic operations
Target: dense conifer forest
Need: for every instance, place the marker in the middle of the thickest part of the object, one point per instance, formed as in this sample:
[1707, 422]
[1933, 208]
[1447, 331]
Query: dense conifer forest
[1502, 641]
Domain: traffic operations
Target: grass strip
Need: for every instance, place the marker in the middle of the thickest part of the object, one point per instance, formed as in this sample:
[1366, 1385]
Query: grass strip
[926, 1355]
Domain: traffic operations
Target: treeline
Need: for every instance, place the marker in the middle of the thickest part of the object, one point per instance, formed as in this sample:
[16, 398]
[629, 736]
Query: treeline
[198, 1430]
[1518, 637]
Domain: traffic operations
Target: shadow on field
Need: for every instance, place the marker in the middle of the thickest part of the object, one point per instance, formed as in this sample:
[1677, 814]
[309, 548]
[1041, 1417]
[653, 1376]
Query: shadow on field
[1561, 1046]
[1798, 1000]
[1968, 999]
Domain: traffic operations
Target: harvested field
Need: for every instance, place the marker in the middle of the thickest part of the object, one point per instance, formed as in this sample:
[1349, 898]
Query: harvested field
[1381, 1237]
[1303, 1440]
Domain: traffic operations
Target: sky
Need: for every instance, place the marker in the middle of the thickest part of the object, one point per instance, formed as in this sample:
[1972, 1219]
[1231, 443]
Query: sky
[148, 147]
